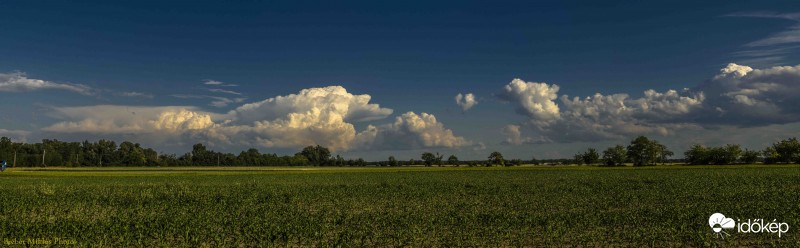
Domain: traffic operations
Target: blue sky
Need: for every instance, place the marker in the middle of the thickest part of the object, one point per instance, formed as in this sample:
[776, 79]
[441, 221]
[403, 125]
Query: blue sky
[68, 70]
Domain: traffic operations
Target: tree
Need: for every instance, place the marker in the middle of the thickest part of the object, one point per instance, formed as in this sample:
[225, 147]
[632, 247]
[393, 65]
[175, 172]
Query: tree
[643, 151]
[430, 159]
[749, 156]
[496, 158]
[787, 151]
[728, 154]
[697, 154]
[577, 159]
[250, 157]
[452, 160]
[201, 156]
[392, 161]
[770, 155]
[106, 150]
[131, 154]
[316, 155]
[615, 156]
[591, 156]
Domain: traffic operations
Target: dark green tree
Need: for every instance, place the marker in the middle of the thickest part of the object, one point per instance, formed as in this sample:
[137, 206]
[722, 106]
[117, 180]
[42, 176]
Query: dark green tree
[643, 151]
[496, 158]
[697, 154]
[577, 159]
[787, 151]
[591, 156]
[452, 160]
[430, 159]
[749, 156]
[131, 154]
[615, 156]
[317, 155]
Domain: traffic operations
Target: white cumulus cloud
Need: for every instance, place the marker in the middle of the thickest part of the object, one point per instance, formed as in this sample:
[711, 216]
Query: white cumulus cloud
[332, 99]
[466, 101]
[410, 131]
[536, 100]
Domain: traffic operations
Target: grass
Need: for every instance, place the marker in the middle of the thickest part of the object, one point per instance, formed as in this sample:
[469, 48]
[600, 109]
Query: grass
[406, 206]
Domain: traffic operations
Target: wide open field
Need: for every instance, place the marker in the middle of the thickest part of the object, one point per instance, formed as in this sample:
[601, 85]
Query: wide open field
[522, 206]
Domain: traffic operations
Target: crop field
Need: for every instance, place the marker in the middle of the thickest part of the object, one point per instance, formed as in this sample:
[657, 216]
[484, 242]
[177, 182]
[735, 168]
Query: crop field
[405, 206]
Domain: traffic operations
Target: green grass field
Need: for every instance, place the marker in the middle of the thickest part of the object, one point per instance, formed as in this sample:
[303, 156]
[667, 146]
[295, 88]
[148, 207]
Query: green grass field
[520, 206]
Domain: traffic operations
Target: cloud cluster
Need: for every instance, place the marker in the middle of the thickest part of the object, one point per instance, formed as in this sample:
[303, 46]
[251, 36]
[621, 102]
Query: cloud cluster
[410, 131]
[19, 82]
[315, 116]
[738, 96]
[466, 101]
[320, 116]
[593, 118]
[113, 119]
[743, 96]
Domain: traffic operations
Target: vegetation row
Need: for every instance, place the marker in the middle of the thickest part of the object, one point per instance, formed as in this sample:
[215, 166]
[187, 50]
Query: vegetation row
[641, 151]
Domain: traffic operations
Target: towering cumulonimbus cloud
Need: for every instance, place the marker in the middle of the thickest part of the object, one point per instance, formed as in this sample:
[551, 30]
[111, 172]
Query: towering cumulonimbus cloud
[737, 96]
[315, 116]
[332, 99]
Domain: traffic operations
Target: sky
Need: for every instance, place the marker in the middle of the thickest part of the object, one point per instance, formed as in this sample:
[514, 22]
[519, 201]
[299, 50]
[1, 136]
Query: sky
[371, 79]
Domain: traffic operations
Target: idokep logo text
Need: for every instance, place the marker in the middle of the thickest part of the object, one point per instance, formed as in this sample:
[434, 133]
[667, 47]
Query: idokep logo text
[719, 224]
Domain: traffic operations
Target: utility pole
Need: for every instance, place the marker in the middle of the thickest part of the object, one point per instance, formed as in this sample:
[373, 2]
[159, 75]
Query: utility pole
[43, 153]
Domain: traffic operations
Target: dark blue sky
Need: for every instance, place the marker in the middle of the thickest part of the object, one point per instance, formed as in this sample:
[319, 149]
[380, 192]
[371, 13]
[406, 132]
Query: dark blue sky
[407, 55]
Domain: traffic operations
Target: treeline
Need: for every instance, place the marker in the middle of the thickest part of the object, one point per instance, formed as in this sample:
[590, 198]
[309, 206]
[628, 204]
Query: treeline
[641, 151]
[108, 153]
